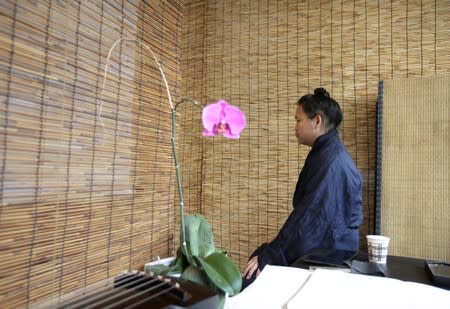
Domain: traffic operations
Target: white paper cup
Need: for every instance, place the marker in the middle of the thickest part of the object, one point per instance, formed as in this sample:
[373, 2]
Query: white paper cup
[377, 247]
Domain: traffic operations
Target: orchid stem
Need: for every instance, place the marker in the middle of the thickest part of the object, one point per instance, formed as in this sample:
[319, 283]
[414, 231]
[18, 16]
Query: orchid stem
[178, 172]
[174, 120]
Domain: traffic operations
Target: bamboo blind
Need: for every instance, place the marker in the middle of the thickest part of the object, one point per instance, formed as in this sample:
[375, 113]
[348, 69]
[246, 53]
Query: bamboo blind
[416, 167]
[87, 179]
[84, 196]
[262, 56]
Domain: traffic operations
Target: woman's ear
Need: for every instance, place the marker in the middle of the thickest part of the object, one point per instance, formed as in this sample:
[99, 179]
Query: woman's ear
[318, 122]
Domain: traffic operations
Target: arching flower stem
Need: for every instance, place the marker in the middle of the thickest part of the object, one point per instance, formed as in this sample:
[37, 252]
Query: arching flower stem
[178, 173]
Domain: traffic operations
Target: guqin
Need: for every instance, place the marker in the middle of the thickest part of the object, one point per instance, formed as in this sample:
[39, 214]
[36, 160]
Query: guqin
[137, 290]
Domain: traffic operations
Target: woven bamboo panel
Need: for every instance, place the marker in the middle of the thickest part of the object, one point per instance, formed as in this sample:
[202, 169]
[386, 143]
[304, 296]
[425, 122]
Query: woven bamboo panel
[87, 179]
[262, 56]
[416, 167]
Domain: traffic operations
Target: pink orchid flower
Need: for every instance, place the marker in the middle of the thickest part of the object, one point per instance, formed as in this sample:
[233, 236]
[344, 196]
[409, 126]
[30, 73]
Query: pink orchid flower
[223, 118]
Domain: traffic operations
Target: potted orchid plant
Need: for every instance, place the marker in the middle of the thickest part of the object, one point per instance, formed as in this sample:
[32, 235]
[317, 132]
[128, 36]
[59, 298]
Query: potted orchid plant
[197, 259]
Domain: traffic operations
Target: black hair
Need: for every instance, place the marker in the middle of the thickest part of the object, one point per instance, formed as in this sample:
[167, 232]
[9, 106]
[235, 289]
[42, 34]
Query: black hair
[321, 103]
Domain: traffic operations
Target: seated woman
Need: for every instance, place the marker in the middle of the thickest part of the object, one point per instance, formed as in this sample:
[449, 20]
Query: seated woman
[327, 203]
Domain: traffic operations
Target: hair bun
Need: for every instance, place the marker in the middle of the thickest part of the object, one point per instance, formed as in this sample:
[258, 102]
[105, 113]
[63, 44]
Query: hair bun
[321, 92]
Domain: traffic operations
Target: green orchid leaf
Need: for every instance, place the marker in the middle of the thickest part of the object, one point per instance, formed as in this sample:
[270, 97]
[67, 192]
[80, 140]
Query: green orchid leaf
[222, 272]
[160, 269]
[180, 263]
[190, 226]
[198, 275]
[219, 250]
[222, 300]
[177, 266]
[199, 237]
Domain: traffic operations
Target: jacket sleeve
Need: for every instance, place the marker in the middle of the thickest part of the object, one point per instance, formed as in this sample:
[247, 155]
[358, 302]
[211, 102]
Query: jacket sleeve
[298, 235]
[319, 220]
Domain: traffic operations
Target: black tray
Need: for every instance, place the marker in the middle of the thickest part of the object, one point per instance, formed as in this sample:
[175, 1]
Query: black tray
[440, 272]
[328, 257]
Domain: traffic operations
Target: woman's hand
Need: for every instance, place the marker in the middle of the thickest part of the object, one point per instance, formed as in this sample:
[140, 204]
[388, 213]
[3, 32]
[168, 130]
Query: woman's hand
[252, 266]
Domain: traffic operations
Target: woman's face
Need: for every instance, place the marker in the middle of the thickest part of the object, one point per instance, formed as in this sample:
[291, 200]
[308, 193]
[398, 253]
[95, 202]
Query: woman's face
[305, 128]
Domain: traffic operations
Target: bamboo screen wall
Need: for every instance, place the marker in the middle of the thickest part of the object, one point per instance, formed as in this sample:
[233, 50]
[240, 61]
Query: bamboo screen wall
[262, 56]
[87, 180]
[87, 188]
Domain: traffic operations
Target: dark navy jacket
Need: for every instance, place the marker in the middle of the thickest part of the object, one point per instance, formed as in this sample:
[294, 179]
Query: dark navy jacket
[327, 206]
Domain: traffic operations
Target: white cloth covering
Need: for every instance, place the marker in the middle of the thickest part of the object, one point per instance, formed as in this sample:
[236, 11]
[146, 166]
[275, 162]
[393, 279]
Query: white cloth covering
[296, 288]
